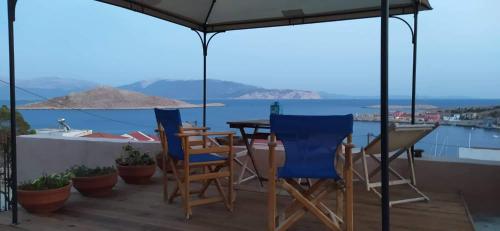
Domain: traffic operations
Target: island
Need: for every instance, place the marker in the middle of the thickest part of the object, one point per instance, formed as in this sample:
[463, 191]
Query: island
[110, 98]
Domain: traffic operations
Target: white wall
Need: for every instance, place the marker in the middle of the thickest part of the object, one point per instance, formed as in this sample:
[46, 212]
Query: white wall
[38, 154]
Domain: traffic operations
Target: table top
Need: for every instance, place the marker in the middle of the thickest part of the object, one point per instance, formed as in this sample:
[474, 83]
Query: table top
[261, 123]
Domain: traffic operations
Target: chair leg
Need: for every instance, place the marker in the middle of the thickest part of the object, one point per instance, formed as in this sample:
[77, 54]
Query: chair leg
[355, 160]
[244, 169]
[165, 177]
[310, 205]
[187, 195]
[174, 194]
[411, 163]
[365, 170]
[295, 210]
[226, 200]
[307, 193]
[340, 202]
[348, 197]
[287, 222]
[230, 186]
[271, 190]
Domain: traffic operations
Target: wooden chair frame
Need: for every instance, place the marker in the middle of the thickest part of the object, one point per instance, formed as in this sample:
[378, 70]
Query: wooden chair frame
[310, 200]
[244, 165]
[185, 172]
[244, 168]
[411, 182]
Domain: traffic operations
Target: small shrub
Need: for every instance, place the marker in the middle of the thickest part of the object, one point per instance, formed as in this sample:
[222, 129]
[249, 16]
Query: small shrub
[84, 171]
[133, 157]
[46, 182]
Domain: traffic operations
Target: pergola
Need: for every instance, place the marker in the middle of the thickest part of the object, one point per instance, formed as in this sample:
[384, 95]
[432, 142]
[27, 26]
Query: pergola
[210, 17]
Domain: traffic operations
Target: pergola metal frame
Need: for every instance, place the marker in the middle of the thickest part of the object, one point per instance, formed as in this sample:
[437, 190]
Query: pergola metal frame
[202, 32]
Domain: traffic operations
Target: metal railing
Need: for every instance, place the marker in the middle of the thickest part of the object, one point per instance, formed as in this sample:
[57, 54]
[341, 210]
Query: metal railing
[5, 173]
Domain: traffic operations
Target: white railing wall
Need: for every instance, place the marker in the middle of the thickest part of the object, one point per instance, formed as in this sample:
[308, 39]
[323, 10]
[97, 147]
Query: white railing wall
[39, 154]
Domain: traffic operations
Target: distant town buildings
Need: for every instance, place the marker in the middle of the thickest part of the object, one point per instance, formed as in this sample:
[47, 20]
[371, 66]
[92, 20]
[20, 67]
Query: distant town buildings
[454, 117]
[482, 117]
[428, 117]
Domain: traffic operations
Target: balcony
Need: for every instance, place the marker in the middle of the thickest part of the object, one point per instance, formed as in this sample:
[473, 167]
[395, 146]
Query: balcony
[140, 207]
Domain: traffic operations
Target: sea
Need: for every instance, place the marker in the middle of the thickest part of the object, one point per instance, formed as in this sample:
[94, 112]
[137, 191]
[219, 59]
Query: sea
[442, 144]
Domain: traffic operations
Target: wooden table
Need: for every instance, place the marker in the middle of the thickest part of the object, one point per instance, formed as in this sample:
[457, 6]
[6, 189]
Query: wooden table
[255, 125]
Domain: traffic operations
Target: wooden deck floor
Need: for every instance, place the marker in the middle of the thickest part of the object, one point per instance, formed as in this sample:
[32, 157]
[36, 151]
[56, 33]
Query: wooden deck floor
[141, 208]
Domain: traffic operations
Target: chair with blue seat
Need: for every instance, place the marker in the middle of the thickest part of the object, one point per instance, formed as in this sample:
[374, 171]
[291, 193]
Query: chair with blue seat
[192, 158]
[312, 146]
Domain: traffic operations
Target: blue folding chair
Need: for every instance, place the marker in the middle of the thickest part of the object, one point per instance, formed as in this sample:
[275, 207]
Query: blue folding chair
[312, 145]
[215, 162]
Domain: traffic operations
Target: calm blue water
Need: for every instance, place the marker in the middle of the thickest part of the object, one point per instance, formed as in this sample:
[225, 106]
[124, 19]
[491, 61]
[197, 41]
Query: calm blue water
[442, 143]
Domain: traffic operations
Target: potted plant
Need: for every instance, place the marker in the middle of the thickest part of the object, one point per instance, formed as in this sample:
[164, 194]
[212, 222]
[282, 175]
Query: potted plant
[45, 194]
[94, 182]
[135, 167]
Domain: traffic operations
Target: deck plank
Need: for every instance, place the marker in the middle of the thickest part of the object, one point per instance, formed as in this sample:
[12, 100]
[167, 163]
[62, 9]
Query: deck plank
[141, 208]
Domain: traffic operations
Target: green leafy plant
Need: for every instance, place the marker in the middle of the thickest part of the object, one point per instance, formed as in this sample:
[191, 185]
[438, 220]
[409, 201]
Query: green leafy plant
[84, 171]
[46, 182]
[133, 157]
[23, 128]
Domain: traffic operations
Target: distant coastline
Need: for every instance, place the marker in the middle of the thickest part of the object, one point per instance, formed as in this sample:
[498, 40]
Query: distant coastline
[123, 108]
[487, 117]
[400, 107]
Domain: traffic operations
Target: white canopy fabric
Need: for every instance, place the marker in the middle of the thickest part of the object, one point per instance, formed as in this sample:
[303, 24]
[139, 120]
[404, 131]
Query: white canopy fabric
[224, 15]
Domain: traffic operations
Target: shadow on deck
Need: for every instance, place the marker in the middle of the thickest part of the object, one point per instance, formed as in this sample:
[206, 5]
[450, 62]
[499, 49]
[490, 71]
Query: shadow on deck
[141, 208]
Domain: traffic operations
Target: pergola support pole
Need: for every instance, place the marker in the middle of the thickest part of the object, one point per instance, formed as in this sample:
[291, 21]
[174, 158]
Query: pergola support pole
[384, 112]
[414, 71]
[204, 44]
[11, 8]
[205, 50]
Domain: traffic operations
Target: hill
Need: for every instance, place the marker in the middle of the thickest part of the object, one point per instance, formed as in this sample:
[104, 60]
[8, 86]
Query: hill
[216, 89]
[190, 89]
[279, 94]
[107, 98]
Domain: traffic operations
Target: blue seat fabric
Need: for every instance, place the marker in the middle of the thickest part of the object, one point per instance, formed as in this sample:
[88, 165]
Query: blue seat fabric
[170, 120]
[310, 144]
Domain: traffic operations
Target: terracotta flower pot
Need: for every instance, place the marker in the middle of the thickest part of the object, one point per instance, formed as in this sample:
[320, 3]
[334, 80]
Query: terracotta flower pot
[136, 174]
[96, 186]
[43, 201]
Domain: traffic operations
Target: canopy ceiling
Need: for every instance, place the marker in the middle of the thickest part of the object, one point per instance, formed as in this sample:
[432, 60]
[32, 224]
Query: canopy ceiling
[224, 15]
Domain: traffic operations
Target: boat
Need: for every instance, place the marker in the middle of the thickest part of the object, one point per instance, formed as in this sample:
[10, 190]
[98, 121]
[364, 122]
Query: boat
[63, 130]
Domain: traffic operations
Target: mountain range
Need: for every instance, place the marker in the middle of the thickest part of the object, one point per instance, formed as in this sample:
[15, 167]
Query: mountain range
[50, 87]
[216, 89]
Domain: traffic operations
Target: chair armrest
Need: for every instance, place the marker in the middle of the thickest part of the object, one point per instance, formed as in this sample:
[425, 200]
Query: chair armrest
[196, 129]
[204, 134]
[220, 149]
[351, 146]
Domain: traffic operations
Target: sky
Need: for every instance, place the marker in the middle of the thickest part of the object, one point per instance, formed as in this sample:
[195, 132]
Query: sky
[458, 56]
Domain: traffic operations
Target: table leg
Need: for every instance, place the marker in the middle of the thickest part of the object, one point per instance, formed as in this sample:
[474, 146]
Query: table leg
[250, 153]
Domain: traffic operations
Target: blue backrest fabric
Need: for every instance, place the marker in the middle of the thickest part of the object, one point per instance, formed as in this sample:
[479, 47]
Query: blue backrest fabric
[170, 120]
[310, 143]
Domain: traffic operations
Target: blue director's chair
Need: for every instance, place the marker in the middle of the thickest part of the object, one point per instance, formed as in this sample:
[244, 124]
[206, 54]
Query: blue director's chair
[184, 154]
[312, 145]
